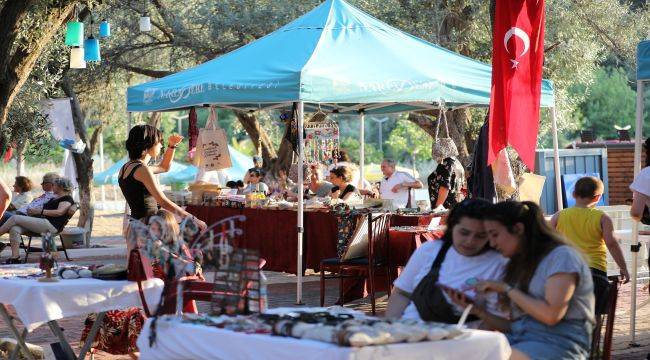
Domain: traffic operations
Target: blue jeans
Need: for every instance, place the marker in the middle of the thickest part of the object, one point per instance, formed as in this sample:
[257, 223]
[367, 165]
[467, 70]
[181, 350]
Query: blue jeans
[6, 217]
[569, 339]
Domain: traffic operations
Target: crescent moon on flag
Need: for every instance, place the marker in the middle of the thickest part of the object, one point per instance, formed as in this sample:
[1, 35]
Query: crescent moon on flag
[515, 31]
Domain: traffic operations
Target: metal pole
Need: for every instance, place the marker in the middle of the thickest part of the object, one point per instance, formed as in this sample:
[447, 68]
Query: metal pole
[556, 161]
[362, 148]
[638, 135]
[101, 163]
[301, 160]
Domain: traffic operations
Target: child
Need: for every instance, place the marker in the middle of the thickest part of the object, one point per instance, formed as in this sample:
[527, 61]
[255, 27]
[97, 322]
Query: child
[591, 231]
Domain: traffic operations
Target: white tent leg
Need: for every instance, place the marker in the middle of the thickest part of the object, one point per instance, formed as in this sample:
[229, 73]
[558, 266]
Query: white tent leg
[556, 161]
[301, 160]
[638, 135]
[362, 148]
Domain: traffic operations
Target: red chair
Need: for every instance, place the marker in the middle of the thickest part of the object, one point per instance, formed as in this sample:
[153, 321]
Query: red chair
[601, 347]
[374, 262]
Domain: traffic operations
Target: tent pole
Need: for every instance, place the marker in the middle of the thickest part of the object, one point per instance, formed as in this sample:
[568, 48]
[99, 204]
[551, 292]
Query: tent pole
[638, 135]
[362, 148]
[300, 106]
[556, 161]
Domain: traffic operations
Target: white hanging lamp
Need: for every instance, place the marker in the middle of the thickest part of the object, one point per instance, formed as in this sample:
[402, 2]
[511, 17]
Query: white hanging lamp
[77, 58]
[145, 20]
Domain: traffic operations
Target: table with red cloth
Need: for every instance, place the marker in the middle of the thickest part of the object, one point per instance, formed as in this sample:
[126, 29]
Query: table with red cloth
[273, 233]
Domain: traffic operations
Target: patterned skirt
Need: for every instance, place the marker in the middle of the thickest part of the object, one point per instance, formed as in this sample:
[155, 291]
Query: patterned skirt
[119, 331]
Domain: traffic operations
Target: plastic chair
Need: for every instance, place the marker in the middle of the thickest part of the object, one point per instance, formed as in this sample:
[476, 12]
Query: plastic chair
[601, 346]
[30, 235]
[368, 266]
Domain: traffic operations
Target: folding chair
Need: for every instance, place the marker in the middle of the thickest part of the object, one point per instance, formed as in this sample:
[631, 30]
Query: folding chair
[30, 235]
[601, 346]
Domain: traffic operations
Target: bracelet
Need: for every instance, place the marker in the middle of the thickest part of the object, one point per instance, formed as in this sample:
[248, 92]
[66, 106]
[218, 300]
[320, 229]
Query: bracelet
[173, 147]
[508, 289]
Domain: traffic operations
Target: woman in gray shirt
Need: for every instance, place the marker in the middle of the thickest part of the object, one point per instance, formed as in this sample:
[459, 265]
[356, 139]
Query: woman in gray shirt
[547, 286]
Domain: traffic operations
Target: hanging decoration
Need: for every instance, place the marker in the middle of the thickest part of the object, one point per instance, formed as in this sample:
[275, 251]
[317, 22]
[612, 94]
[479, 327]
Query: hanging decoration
[77, 58]
[91, 45]
[74, 31]
[145, 20]
[321, 139]
[104, 29]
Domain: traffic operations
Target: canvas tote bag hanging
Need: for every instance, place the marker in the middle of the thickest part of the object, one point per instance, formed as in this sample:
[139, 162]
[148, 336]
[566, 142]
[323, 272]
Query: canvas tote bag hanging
[212, 146]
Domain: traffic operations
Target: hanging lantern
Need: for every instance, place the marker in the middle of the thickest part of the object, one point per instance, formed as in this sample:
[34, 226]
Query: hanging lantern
[77, 58]
[145, 23]
[104, 29]
[74, 33]
[91, 49]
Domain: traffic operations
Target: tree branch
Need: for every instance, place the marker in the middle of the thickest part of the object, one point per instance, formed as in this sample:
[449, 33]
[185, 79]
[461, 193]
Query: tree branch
[147, 72]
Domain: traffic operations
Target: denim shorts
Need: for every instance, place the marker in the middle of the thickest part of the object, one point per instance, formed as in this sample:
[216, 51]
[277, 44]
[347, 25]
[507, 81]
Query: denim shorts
[569, 339]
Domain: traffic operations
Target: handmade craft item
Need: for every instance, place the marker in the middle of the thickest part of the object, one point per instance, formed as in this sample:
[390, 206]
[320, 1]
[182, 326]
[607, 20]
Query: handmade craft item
[212, 151]
[47, 261]
[321, 139]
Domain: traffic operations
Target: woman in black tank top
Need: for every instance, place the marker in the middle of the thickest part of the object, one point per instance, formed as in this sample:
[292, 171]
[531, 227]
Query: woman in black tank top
[136, 179]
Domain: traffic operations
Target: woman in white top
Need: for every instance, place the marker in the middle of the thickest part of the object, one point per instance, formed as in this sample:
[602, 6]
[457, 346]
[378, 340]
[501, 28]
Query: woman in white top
[21, 197]
[460, 259]
[255, 183]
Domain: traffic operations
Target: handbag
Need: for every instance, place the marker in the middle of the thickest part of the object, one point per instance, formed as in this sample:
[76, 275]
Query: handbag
[443, 147]
[645, 219]
[212, 151]
[139, 269]
[429, 298]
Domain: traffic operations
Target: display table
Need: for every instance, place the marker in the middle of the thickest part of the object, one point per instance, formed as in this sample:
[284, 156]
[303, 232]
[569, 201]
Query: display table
[37, 303]
[176, 340]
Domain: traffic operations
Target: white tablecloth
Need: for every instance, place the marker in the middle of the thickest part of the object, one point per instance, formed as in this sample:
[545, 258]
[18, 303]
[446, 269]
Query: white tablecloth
[37, 302]
[182, 341]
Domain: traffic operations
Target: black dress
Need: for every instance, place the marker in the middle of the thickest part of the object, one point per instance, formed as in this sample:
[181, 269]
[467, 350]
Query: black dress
[348, 189]
[449, 174]
[140, 201]
[57, 221]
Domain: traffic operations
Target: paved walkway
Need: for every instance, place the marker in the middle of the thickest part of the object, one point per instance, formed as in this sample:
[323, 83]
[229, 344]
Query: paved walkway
[282, 293]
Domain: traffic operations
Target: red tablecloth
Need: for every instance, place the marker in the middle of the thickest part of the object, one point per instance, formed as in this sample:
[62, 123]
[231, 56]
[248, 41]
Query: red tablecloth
[274, 233]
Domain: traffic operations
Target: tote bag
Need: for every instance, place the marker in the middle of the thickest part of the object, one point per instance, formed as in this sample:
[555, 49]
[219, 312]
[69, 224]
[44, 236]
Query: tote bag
[212, 146]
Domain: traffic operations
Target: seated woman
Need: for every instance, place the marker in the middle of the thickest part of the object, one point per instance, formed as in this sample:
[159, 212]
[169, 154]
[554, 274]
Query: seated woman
[52, 217]
[317, 186]
[255, 183]
[340, 177]
[459, 259]
[547, 284]
[21, 197]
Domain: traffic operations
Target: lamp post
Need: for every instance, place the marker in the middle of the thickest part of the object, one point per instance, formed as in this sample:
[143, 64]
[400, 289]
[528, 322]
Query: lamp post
[381, 121]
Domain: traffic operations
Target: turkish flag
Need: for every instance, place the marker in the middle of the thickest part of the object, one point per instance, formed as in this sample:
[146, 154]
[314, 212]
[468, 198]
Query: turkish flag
[517, 58]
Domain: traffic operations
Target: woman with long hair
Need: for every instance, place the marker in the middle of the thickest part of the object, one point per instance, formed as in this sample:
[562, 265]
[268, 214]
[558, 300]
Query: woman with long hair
[547, 286]
[462, 257]
[136, 178]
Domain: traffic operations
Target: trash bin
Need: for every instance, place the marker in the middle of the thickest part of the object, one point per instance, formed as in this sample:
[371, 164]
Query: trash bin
[73, 237]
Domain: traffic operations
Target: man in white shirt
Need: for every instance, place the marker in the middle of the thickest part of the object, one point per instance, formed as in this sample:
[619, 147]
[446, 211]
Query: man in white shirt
[396, 185]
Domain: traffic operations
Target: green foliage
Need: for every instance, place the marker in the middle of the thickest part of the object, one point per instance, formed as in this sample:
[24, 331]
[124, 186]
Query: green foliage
[352, 146]
[407, 142]
[610, 101]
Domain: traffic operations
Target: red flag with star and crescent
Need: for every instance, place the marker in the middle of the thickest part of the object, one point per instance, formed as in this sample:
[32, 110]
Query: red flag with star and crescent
[517, 58]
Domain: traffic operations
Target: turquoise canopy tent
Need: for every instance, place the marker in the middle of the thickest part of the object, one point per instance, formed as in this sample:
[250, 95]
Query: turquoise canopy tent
[642, 76]
[336, 59]
[180, 173]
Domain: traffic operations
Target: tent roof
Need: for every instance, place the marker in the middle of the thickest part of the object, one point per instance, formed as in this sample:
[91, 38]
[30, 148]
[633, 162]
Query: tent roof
[335, 56]
[643, 60]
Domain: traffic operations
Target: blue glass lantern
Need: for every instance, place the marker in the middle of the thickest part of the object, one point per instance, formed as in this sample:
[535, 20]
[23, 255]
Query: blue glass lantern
[104, 29]
[74, 33]
[91, 49]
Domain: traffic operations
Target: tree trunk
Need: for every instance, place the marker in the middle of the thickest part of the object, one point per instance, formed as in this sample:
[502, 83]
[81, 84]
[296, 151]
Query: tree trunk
[83, 161]
[259, 137]
[16, 67]
[20, 159]
[155, 118]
